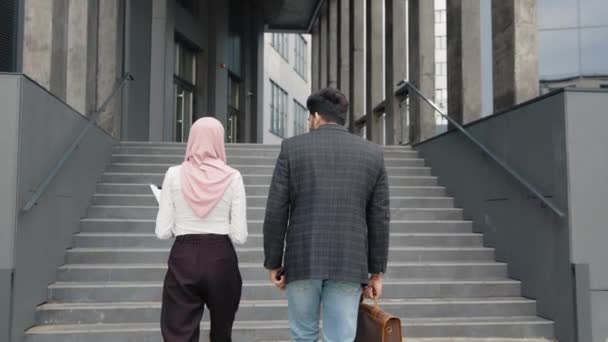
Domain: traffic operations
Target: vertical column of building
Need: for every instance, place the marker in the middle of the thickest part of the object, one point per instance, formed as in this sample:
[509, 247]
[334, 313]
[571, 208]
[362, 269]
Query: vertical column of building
[374, 69]
[344, 52]
[333, 44]
[157, 69]
[77, 94]
[59, 48]
[109, 62]
[396, 65]
[422, 67]
[357, 70]
[323, 48]
[38, 41]
[464, 60]
[315, 57]
[515, 45]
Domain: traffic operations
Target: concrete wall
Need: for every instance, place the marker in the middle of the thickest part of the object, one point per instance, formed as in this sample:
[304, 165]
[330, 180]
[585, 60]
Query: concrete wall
[530, 237]
[586, 123]
[283, 73]
[9, 133]
[37, 240]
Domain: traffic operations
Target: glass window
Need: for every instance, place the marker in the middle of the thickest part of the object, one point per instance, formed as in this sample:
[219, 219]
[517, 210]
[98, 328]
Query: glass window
[440, 16]
[278, 109]
[441, 69]
[300, 118]
[557, 13]
[280, 42]
[301, 54]
[558, 54]
[594, 45]
[594, 12]
[185, 63]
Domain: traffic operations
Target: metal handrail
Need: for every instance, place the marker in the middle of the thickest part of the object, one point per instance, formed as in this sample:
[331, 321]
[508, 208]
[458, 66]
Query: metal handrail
[68, 153]
[488, 152]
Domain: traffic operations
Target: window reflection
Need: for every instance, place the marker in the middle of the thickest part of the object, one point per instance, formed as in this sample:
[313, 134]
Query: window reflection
[557, 13]
[594, 12]
[595, 51]
[558, 53]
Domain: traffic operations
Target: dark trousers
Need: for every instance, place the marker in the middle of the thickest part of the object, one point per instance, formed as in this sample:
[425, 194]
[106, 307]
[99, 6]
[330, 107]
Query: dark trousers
[203, 270]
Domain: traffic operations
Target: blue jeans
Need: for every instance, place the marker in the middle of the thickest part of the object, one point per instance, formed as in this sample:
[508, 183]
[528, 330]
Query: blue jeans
[340, 302]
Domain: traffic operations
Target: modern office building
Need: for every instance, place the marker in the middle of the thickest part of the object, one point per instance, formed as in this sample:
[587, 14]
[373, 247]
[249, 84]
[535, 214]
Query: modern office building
[286, 85]
[496, 233]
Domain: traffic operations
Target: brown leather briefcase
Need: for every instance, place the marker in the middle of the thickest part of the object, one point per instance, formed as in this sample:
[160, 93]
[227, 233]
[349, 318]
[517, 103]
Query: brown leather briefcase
[375, 325]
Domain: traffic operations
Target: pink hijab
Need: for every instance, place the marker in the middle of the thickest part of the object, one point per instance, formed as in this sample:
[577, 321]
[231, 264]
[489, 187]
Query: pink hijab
[204, 173]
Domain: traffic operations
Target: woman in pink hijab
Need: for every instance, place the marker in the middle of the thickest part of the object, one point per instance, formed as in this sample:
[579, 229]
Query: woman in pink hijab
[203, 205]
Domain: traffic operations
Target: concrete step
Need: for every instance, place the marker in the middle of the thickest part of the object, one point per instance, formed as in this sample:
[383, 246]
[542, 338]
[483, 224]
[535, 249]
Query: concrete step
[149, 212]
[125, 240]
[160, 255]
[235, 151]
[254, 271]
[240, 160]
[260, 201]
[157, 178]
[251, 169]
[526, 328]
[103, 292]
[262, 190]
[144, 189]
[113, 225]
[274, 310]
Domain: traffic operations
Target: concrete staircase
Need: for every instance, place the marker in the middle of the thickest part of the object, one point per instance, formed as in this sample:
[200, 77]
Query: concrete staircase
[441, 280]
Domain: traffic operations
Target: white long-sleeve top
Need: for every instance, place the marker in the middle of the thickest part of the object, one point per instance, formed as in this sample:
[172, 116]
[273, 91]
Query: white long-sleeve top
[175, 217]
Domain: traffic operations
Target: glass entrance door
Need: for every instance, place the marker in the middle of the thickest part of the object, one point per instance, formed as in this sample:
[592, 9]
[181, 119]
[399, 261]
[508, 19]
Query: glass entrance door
[183, 112]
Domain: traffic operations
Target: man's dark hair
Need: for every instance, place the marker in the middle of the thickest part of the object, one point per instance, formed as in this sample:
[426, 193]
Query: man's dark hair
[330, 103]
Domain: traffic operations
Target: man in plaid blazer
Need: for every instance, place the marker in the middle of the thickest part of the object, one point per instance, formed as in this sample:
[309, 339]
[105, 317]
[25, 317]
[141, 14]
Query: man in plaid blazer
[328, 212]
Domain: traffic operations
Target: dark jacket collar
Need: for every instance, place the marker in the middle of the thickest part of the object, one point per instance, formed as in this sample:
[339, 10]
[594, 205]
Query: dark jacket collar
[332, 126]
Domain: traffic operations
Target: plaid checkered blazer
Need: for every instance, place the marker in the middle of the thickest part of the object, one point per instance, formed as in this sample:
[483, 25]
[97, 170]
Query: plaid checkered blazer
[328, 208]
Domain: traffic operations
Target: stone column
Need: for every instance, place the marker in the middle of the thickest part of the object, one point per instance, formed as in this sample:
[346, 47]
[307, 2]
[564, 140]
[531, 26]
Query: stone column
[464, 60]
[38, 40]
[323, 49]
[344, 52]
[396, 65]
[515, 47]
[357, 71]
[315, 60]
[60, 47]
[333, 44]
[77, 63]
[109, 63]
[374, 69]
[422, 67]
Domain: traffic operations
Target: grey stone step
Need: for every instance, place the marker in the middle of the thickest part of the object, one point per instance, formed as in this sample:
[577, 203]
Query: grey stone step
[260, 201]
[262, 190]
[157, 178]
[147, 225]
[125, 240]
[231, 145]
[149, 212]
[264, 290]
[235, 151]
[255, 271]
[251, 169]
[160, 255]
[144, 189]
[526, 328]
[117, 312]
[240, 160]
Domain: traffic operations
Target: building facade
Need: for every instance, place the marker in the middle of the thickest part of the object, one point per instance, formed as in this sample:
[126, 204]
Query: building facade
[286, 85]
[573, 43]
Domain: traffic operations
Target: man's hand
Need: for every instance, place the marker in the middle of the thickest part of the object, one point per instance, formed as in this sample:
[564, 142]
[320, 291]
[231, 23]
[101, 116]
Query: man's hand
[374, 287]
[280, 282]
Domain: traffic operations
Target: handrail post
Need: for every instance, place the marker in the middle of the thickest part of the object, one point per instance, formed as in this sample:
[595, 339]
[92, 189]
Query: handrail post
[486, 150]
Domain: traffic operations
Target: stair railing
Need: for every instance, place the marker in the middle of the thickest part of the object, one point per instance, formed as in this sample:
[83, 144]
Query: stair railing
[42, 187]
[410, 88]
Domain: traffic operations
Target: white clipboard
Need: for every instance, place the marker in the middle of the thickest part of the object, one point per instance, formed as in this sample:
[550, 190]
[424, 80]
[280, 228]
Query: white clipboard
[156, 192]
